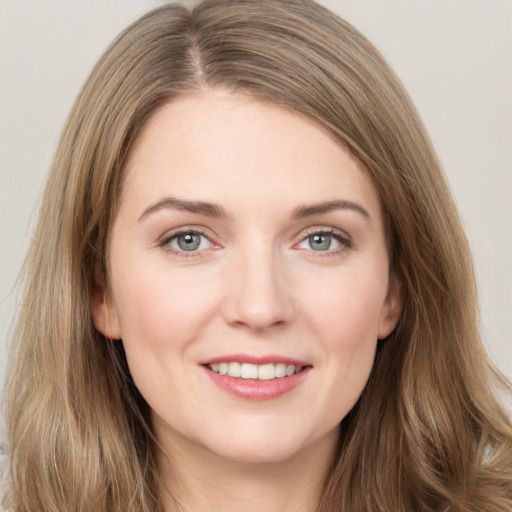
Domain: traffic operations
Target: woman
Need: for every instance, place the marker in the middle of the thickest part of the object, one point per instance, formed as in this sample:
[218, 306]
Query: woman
[249, 287]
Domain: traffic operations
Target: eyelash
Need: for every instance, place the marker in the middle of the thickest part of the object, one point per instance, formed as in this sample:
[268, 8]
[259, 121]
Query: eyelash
[165, 243]
[345, 242]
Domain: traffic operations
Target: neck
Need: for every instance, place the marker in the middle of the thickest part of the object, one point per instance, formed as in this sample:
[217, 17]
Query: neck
[197, 480]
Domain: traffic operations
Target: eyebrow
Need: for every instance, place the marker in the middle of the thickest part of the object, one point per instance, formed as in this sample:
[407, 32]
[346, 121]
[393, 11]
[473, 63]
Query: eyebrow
[198, 207]
[215, 211]
[319, 208]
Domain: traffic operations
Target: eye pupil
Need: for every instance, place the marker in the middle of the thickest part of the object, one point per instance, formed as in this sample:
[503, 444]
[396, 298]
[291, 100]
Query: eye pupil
[189, 241]
[320, 242]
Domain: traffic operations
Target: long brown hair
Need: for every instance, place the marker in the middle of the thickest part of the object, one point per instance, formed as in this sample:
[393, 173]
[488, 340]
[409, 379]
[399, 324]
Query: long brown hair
[427, 434]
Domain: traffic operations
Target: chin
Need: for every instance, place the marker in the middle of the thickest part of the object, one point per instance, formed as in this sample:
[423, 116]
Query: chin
[278, 446]
[257, 453]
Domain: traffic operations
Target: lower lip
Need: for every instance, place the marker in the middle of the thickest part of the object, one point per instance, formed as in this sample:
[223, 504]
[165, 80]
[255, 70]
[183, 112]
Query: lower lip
[257, 390]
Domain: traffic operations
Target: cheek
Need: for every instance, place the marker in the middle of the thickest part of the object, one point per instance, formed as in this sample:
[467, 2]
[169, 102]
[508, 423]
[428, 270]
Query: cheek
[161, 316]
[345, 319]
[159, 309]
[348, 305]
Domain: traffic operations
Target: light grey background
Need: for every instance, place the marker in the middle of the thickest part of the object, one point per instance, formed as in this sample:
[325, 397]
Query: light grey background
[454, 56]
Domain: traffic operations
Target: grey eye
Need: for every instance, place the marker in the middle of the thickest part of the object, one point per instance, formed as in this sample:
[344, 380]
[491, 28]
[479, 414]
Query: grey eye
[320, 242]
[188, 241]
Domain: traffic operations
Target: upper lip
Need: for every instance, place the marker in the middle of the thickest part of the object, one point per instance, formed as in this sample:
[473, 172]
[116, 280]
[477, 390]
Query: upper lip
[255, 359]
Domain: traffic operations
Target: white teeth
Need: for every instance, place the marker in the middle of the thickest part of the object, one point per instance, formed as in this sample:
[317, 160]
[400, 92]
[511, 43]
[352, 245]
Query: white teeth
[248, 371]
[280, 370]
[267, 372]
[223, 368]
[234, 369]
[253, 371]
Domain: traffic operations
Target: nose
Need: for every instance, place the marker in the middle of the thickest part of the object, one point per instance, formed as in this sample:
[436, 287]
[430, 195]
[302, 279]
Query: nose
[259, 296]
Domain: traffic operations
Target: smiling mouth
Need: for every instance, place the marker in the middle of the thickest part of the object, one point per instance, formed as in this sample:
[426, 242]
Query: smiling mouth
[268, 371]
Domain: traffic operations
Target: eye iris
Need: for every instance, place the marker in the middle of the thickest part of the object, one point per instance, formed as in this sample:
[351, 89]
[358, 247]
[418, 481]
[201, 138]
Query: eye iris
[189, 241]
[320, 242]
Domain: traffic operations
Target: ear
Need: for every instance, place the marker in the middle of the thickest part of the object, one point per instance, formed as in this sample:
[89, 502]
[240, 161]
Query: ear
[392, 307]
[103, 310]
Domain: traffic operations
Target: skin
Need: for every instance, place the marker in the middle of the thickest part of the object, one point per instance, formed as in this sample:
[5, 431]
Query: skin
[256, 285]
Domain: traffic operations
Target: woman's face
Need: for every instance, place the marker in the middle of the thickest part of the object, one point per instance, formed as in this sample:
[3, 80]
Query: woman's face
[247, 241]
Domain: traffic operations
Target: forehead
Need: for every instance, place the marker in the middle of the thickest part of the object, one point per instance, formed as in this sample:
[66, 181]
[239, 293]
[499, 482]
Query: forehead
[223, 147]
